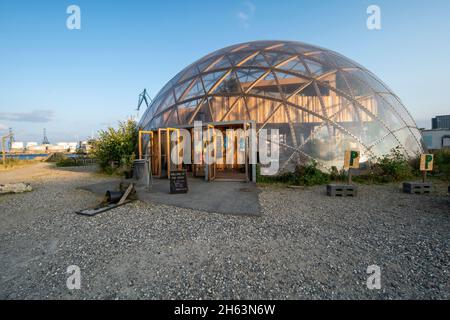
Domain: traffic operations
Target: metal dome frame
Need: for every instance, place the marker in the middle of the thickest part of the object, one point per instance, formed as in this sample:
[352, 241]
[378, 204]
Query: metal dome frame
[321, 99]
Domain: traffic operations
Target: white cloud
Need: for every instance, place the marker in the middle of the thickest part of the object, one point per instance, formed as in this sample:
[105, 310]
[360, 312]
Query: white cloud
[246, 14]
[38, 116]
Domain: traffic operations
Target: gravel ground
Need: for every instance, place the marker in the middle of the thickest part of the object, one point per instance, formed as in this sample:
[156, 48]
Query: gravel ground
[304, 246]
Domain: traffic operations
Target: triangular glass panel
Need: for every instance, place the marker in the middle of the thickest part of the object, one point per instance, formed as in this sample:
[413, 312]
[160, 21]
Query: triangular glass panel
[408, 141]
[257, 61]
[274, 58]
[157, 122]
[223, 63]
[203, 113]
[190, 72]
[180, 90]
[385, 146]
[166, 103]
[384, 112]
[195, 90]
[228, 86]
[289, 83]
[340, 61]
[322, 58]
[303, 47]
[172, 118]
[237, 57]
[248, 76]
[395, 104]
[267, 87]
[329, 149]
[352, 85]
[295, 65]
[210, 79]
[317, 68]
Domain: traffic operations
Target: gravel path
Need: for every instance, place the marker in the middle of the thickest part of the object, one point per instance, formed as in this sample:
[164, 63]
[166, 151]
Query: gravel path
[305, 246]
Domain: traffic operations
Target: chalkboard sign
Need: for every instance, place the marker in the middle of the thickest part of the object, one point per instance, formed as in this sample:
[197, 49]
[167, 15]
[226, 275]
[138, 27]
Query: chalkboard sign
[178, 182]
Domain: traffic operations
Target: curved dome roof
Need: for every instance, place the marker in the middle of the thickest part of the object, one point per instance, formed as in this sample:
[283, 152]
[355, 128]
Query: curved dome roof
[321, 101]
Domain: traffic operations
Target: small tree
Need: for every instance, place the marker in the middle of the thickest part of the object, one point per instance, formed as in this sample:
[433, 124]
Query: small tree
[116, 148]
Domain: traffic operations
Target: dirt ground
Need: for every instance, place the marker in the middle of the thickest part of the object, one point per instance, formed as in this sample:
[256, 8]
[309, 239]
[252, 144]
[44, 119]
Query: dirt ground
[304, 245]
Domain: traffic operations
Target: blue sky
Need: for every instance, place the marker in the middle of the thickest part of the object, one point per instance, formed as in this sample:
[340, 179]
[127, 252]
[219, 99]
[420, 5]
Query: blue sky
[75, 82]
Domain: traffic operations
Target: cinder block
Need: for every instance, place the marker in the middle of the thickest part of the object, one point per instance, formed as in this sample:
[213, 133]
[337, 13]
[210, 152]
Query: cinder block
[342, 190]
[417, 187]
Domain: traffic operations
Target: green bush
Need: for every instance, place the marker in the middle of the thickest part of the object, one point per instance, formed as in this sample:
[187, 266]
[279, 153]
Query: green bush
[67, 162]
[115, 149]
[442, 164]
[338, 175]
[304, 175]
[310, 175]
[394, 167]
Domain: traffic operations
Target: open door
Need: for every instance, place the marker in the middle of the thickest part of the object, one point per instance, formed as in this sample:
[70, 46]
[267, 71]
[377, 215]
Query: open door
[210, 154]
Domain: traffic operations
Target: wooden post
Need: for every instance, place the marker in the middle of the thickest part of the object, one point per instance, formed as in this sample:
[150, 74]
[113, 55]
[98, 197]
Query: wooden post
[349, 175]
[424, 176]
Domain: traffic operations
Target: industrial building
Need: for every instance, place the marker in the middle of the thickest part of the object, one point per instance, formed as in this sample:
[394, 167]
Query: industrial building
[440, 122]
[321, 102]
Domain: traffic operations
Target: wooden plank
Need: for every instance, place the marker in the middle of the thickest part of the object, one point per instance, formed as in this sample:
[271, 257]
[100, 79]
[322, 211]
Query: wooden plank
[126, 194]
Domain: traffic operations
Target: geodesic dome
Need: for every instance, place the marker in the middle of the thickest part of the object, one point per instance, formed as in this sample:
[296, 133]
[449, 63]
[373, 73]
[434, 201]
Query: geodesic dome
[322, 102]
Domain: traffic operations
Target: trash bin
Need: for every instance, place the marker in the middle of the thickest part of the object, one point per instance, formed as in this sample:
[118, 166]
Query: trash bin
[139, 169]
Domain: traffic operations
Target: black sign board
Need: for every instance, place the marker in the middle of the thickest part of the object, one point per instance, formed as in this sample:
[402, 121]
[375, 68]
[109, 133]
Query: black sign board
[178, 182]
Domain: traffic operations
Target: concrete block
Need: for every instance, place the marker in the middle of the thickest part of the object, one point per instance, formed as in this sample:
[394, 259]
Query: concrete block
[417, 187]
[342, 190]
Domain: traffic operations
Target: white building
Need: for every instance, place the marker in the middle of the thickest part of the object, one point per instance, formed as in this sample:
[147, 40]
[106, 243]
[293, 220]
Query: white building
[17, 146]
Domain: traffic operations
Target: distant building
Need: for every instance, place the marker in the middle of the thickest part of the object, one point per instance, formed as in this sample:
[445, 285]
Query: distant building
[17, 147]
[440, 122]
[436, 139]
[85, 146]
[37, 148]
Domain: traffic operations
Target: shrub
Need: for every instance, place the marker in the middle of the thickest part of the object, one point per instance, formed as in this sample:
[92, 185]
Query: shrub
[338, 175]
[304, 175]
[393, 167]
[115, 149]
[442, 164]
[310, 175]
[67, 162]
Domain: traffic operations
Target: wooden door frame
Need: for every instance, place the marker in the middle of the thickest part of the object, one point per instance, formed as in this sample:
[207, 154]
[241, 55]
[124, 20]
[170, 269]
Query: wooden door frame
[169, 151]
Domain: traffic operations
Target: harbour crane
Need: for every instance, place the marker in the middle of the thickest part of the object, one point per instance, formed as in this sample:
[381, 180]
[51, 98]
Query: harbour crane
[143, 97]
